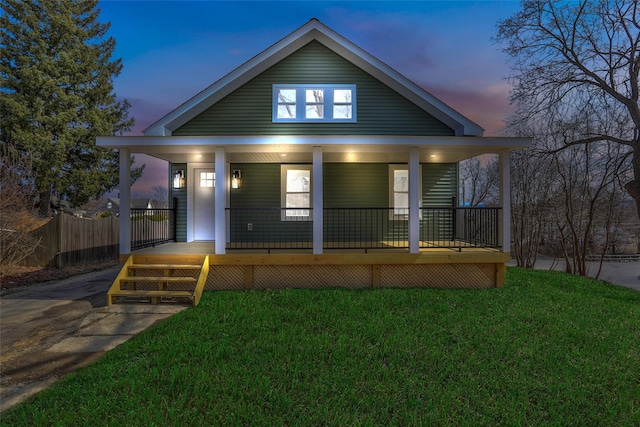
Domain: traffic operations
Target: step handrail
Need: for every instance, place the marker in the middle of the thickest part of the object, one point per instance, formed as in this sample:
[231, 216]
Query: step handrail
[202, 280]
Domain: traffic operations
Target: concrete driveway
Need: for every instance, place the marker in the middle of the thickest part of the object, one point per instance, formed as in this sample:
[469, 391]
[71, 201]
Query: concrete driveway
[49, 330]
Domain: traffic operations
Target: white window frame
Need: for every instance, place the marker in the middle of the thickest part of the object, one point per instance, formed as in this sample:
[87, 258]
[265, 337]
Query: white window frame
[301, 103]
[283, 191]
[392, 215]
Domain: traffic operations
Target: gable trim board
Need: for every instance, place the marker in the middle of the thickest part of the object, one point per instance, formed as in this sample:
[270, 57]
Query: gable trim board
[313, 30]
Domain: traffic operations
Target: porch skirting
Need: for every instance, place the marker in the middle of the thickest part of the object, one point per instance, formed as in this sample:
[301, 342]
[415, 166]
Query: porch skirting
[469, 270]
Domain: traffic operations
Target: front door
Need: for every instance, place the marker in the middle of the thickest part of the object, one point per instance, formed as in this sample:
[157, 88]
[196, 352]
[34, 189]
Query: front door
[204, 204]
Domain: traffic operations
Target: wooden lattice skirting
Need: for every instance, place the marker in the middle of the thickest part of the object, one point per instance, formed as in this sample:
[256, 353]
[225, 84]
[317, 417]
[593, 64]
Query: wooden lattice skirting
[451, 270]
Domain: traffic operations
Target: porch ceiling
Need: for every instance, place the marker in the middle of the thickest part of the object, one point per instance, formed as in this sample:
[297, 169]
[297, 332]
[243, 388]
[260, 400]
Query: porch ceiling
[371, 149]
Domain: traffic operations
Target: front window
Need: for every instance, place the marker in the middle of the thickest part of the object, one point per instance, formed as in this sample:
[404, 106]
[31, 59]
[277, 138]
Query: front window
[314, 103]
[296, 192]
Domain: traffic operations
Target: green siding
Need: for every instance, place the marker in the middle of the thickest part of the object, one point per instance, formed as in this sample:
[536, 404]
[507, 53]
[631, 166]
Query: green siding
[348, 185]
[380, 110]
[439, 185]
[180, 194]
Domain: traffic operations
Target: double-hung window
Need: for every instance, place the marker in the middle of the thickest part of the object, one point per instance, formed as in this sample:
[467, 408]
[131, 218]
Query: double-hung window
[399, 192]
[296, 192]
[314, 103]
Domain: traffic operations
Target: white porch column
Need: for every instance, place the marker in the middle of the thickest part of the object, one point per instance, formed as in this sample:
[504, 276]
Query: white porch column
[318, 206]
[125, 201]
[504, 221]
[414, 200]
[222, 184]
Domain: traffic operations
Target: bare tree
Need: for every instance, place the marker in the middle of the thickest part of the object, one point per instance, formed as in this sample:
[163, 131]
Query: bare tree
[579, 57]
[479, 181]
[18, 215]
[160, 196]
[587, 201]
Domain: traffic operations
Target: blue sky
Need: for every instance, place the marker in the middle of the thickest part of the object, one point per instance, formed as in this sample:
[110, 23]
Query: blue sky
[171, 50]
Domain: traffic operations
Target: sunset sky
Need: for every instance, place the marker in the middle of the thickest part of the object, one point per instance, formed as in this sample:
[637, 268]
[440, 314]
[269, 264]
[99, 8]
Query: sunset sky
[171, 50]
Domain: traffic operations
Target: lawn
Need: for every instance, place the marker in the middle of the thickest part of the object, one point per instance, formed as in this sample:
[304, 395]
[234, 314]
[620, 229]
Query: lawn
[548, 348]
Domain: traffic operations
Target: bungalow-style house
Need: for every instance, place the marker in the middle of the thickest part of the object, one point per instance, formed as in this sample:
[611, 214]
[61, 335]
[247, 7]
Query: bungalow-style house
[314, 164]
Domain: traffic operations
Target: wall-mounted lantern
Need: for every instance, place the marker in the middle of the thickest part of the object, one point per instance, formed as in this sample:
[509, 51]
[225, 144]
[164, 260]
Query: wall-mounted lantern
[178, 179]
[236, 178]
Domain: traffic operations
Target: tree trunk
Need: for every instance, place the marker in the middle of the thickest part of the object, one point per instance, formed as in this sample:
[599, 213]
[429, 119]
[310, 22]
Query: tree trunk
[44, 205]
[633, 187]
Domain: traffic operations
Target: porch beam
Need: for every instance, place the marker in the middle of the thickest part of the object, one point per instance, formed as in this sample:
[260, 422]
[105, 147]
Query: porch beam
[125, 201]
[414, 200]
[318, 206]
[220, 195]
[504, 231]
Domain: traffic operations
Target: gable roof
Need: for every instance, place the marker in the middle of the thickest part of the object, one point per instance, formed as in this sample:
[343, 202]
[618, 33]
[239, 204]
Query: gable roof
[313, 30]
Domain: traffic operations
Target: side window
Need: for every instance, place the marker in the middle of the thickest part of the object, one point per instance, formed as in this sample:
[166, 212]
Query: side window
[296, 192]
[399, 192]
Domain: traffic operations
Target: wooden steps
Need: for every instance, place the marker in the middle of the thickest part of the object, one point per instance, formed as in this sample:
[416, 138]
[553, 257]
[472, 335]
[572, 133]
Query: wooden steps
[159, 279]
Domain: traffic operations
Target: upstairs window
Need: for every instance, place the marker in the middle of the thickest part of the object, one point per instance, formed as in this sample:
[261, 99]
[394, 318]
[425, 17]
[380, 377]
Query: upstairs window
[314, 103]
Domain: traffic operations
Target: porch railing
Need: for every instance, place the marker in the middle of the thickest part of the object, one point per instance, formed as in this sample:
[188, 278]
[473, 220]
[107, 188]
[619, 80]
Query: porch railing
[151, 227]
[362, 228]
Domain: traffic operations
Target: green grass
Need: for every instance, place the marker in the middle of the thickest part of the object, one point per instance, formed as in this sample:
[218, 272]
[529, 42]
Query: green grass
[548, 348]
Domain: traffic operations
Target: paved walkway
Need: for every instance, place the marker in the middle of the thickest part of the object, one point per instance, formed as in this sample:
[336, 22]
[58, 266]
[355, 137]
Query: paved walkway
[52, 329]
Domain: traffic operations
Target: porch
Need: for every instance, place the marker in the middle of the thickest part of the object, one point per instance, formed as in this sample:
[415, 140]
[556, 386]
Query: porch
[281, 268]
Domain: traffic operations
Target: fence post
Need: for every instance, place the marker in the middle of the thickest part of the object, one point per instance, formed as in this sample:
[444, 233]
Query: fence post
[57, 261]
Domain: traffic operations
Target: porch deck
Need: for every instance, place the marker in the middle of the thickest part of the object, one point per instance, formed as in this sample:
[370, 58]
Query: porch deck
[466, 267]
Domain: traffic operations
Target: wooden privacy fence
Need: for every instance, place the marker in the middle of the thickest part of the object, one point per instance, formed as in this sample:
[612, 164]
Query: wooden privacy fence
[67, 240]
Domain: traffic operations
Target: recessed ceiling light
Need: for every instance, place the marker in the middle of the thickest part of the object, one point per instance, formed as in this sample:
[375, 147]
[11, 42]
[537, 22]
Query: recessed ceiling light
[433, 155]
[198, 155]
[283, 155]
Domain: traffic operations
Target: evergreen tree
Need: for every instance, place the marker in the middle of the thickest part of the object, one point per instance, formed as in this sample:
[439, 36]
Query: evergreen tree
[56, 97]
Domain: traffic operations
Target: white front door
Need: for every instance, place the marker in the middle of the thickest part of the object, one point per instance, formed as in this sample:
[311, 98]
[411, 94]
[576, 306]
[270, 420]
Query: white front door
[204, 204]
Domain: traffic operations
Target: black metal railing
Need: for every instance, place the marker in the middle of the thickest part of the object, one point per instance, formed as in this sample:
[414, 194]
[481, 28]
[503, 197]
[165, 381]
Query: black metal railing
[270, 228]
[151, 227]
[478, 226]
[362, 228]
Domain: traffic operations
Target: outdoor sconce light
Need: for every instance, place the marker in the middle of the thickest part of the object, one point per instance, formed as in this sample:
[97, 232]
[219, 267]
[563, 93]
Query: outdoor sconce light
[236, 177]
[178, 179]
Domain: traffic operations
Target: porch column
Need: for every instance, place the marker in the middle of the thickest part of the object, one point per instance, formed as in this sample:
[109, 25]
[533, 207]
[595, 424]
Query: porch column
[220, 195]
[414, 200]
[317, 203]
[504, 218]
[125, 201]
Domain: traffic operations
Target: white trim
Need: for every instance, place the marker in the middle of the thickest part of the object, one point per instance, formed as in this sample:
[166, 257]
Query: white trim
[313, 30]
[221, 191]
[177, 144]
[504, 232]
[125, 201]
[415, 195]
[317, 201]
[191, 183]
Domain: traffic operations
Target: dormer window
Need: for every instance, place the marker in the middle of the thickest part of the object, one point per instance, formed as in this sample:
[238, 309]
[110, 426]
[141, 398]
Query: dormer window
[314, 103]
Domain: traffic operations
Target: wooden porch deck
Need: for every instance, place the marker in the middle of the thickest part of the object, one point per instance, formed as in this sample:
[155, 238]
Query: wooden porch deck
[349, 268]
